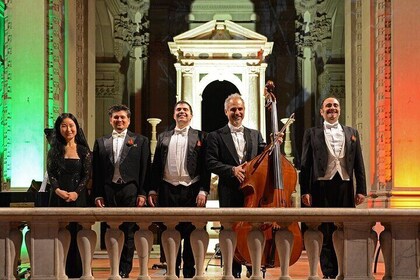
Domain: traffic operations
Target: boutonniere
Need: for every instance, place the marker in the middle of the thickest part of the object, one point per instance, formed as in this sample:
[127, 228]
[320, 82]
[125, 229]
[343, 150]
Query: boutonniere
[353, 138]
[130, 142]
[198, 143]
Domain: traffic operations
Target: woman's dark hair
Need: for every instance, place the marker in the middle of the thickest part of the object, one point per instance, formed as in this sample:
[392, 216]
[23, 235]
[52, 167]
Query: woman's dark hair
[58, 141]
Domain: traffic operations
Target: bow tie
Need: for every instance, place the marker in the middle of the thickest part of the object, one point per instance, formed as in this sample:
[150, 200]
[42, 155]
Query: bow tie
[182, 131]
[329, 125]
[117, 135]
[237, 129]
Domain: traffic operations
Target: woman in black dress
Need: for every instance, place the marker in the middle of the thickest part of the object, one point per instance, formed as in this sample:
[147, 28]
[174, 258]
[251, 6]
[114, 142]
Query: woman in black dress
[69, 165]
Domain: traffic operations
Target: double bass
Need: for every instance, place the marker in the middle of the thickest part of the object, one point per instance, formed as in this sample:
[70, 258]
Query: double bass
[270, 180]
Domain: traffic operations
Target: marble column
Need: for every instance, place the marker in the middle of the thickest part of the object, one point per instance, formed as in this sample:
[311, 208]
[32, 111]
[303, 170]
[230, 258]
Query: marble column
[252, 104]
[358, 247]
[43, 250]
[187, 84]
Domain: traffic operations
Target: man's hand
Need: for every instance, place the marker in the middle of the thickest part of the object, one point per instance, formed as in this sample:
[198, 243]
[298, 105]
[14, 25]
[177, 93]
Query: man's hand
[99, 202]
[307, 199]
[141, 201]
[153, 199]
[279, 136]
[359, 198]
[201, 200]
[239, 172]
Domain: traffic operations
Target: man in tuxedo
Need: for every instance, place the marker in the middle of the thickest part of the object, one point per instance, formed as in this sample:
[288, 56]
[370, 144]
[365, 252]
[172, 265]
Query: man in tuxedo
[120, 163]
[331, 157]
[179, 176]
[228, 149]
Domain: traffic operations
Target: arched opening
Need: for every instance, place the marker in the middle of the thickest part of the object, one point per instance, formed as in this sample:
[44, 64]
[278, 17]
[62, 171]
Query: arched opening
[213, 113]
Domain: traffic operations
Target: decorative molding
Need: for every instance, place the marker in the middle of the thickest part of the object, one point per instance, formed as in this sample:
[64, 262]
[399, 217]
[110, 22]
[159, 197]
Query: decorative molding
[55, 62]
[108, 81]
[6, 97]
[81, 58]
[383, 98]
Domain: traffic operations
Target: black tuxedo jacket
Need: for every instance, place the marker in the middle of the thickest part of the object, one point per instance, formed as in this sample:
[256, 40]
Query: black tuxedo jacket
[134, 162]
[222, 156]
[195, 157]
[315, 158]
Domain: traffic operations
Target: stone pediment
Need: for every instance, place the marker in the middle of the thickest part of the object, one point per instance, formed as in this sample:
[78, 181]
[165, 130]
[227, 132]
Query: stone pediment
[220, 40]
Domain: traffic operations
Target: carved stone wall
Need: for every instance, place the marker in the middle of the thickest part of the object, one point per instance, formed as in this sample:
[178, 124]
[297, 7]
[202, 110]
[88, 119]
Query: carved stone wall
[383, 122]
[55, 62]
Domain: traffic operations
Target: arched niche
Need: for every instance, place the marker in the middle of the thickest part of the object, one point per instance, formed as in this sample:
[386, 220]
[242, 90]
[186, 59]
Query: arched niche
[222, 51]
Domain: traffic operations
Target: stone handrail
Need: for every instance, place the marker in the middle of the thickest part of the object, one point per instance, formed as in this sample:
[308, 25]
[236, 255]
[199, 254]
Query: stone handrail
[354, 241]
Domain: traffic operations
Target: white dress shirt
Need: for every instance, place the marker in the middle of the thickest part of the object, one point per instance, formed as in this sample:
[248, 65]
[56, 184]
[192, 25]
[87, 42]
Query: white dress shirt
[117, 144]
[239, 140]
[175, 172]
[335, 141]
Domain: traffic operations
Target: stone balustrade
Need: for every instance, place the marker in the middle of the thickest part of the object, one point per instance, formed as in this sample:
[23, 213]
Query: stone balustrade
[355, 240]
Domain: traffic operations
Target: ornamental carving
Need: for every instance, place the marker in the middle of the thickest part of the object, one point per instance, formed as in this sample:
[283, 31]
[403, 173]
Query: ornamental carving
[383, 95]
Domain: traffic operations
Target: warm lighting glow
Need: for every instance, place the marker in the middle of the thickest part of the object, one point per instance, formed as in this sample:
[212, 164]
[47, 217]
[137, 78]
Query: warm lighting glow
[405, 99]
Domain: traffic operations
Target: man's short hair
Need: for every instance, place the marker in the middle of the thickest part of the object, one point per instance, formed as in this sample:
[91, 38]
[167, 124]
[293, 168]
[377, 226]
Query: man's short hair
[233, 95]
[184, 102]
[330, 96]
[117, 108]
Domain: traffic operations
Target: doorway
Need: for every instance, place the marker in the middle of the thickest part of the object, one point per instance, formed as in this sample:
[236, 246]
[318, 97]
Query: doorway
[213, 113]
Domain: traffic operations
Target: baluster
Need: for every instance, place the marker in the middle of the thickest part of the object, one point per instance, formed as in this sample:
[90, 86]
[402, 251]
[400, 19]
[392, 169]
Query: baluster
[171, 239]
[227, 241]
[313, 245]
[256, 243]
[338, 241]
[385, 241]
[63, 245]
[114, 241]
[86, 242]
[199, 243]
[143, 239]
[284, 244]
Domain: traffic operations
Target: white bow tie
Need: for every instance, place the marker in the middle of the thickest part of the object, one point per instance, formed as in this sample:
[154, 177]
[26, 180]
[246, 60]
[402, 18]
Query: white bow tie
[182, 131]
[117, 135]
[237, 129]
[329, 125]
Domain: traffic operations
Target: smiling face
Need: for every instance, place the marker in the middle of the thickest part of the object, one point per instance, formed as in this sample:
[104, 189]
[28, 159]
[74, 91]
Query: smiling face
[235, 111]
[330, 110]
[182, 115]
[68, 129]
[119, 121]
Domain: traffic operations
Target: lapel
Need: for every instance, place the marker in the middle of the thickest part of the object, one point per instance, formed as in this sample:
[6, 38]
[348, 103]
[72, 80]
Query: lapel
[320, 137]
[125, 148]
[227, 139]
[347, 138]
[108, 148]
[248, 143]
[192, 141]
[166, 138]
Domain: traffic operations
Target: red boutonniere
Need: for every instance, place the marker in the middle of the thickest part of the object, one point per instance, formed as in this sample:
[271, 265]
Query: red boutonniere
[198, 143]
[130, 142]
[353, 138]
